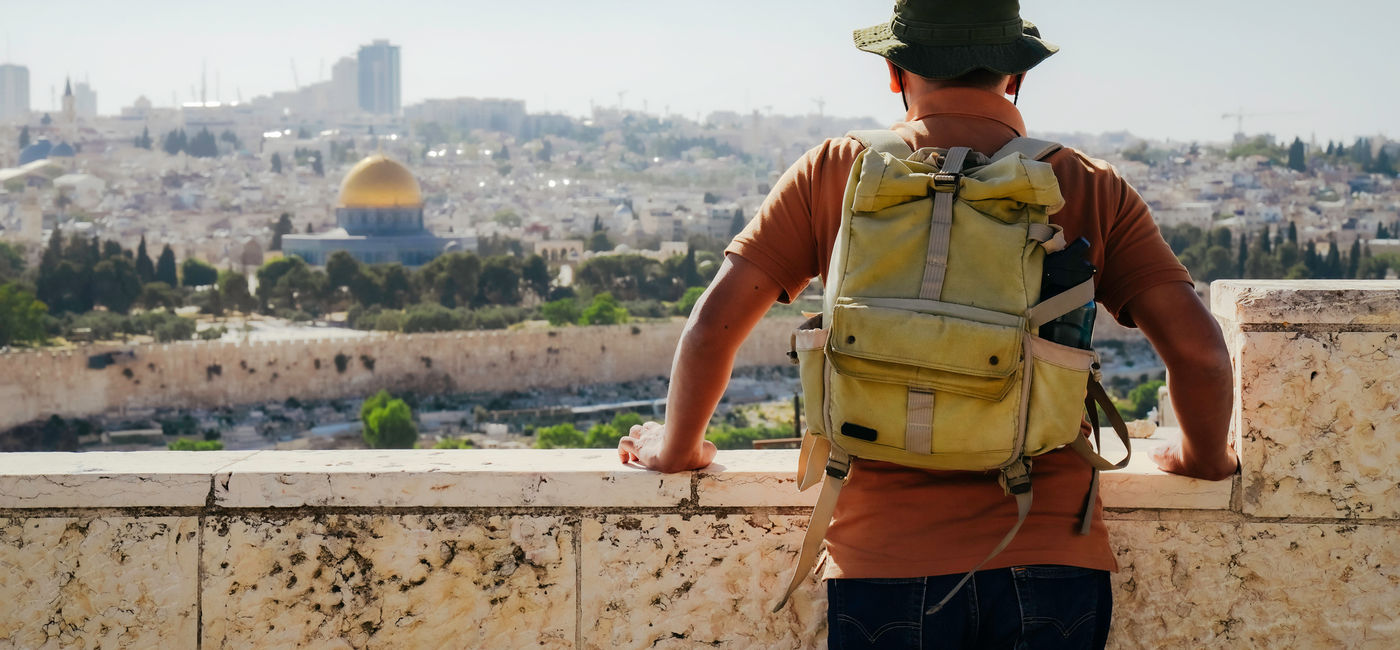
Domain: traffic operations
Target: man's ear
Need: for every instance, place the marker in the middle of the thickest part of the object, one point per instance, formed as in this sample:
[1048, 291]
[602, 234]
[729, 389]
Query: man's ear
[896, 83]
[1013, 83]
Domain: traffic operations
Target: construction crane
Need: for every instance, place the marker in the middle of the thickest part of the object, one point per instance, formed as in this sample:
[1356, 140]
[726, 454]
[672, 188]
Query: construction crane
[1240, 115]
[296, 83]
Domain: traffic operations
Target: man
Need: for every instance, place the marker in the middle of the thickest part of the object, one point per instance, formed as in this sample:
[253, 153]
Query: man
[902, 537]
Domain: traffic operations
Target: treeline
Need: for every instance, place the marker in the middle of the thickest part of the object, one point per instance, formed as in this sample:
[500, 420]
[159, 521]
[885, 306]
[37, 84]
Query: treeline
[1274, 253]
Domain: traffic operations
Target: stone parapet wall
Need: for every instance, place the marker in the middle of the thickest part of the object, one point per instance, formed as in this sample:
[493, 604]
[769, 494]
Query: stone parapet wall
[36, 384]
[566, 548]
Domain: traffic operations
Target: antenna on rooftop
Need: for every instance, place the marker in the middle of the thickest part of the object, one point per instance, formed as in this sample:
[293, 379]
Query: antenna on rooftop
[204, 82]
[296, 83]
[620, 95]
[821, 106]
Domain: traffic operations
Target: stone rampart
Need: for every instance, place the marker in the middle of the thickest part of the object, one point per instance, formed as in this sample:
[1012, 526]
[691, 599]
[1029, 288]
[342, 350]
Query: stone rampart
[566, 548]
[35, 384]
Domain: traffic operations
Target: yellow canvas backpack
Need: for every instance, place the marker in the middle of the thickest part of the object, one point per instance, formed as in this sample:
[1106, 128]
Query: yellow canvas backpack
[926, 352]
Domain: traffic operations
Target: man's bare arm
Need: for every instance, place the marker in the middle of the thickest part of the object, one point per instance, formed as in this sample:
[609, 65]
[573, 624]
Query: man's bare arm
[733, 304]
[1201, 383]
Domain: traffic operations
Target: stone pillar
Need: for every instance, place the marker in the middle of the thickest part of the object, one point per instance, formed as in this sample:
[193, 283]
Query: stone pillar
[1317, 395]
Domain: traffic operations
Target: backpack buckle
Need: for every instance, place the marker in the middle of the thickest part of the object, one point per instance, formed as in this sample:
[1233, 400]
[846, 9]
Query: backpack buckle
[838, 469]
[946, 181]
[1016, 477]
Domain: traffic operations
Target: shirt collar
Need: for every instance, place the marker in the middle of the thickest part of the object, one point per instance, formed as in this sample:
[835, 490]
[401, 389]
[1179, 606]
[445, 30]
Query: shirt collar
[975, 102]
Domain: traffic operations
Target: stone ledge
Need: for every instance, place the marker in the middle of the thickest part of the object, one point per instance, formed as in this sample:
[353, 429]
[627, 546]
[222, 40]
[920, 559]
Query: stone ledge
[1307, 302]
[472, 478]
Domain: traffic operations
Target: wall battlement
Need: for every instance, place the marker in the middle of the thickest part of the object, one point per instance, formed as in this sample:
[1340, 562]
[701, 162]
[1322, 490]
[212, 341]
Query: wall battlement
[566, 548]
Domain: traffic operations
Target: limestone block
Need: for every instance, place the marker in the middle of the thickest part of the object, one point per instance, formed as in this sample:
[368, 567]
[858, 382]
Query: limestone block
[445, 478]
[109, 479]
[115, 582]
[1319, 422]
[1142, 485]
[410, 581]
[1174, 587]
[1318, 586]
[748, 478]
[1290, 302]
[667, 581]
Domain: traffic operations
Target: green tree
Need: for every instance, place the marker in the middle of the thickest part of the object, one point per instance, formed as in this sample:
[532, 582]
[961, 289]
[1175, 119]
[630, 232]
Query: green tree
[21, 315]
[341, 268]
[233, 286]
[316, 165]
[598, 242]
[1143, 398]
[387, 422]
[451, 279]
[1383, 164]
[398, 286]
[24, 136]
[500, 281]
[561, 312]
[11, 261]
[165, 267]
[1292, 233]
[687, 302]
[736, 225]
[1332, 265]
[189, 444]
[604, 310]
[535, 274]
[282, 227]
[1295, 156]
[145, 268]
[1354, 259]
[203, 145]
[559, 436]
[276, 163]
[143, 141]
[116, 284]
[603, 436]
[175, 328]
[197, 273]
[155, 295]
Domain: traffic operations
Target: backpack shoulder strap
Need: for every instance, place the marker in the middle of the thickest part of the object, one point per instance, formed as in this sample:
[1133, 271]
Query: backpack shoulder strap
[883, 141]
[1028, 147]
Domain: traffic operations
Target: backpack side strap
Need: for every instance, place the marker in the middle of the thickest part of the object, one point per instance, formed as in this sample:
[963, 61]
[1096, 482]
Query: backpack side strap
[883, 141]
[1028, 147]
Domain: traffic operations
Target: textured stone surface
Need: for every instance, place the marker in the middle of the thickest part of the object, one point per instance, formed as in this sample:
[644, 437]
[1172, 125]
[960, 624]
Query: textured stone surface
[411, 581]
[1142, 485]
[1320, 423]
[116, 582]
[670, 582]
[1291, 302]
[109, 479]
[435, 478]
[754, 478]
[1256, 585]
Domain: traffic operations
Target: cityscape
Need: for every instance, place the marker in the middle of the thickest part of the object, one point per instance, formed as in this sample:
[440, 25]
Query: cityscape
[320, 324]
[334, 210]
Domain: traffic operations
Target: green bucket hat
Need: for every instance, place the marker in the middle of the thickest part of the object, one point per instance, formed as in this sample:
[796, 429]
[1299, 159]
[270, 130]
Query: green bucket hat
[942, 39]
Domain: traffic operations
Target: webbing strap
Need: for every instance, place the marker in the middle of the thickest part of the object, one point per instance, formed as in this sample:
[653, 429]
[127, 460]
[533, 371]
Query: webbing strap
[1087, 517]
[1023, 508]
[1028, 147]
[918, 417]
[941, 228]
[1050, 236]
[837, 466]
[810, 459]
[1081, 444]
[1061, 303]
[883, 141]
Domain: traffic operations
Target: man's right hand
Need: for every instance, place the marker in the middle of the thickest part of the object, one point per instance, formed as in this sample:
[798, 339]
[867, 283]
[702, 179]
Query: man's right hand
[1215, 467]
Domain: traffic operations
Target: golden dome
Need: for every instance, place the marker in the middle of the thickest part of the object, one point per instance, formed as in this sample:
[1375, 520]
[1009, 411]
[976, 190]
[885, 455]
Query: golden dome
[379, 181]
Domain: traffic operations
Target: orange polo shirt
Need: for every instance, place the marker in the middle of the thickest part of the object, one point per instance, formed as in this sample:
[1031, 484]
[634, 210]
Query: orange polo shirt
[897, 522]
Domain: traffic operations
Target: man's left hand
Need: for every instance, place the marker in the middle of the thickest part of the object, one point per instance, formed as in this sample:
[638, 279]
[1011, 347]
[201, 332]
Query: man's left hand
[646, 444]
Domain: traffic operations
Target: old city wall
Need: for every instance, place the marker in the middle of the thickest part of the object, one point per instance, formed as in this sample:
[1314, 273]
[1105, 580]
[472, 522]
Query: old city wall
[38, 384]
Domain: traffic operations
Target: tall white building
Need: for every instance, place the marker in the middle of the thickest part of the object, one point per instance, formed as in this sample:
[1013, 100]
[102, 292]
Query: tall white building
[14, 92]
[379, 78]
[345, 85]
[85, 100]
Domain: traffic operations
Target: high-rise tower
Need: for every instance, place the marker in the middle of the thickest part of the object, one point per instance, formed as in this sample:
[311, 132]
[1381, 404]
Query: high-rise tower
[14, 92]
[379, 78]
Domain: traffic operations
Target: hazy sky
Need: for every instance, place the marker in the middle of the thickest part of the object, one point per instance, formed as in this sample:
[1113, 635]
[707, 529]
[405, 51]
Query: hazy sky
[1158, 69]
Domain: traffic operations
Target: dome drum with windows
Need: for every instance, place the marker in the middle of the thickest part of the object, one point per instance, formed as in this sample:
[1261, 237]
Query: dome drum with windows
[380, 217]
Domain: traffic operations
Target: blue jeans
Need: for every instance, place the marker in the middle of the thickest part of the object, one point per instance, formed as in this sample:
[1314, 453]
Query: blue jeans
[1043, 606]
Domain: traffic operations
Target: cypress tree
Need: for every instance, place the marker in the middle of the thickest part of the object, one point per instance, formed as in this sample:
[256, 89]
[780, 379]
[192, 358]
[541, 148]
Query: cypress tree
[1241, 258]
[1332, 265]
[1267, 243]
[145, 268]
[1295, 156]
[1292, 232]
[165, 267]
[1354, 259]
[24, 137]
